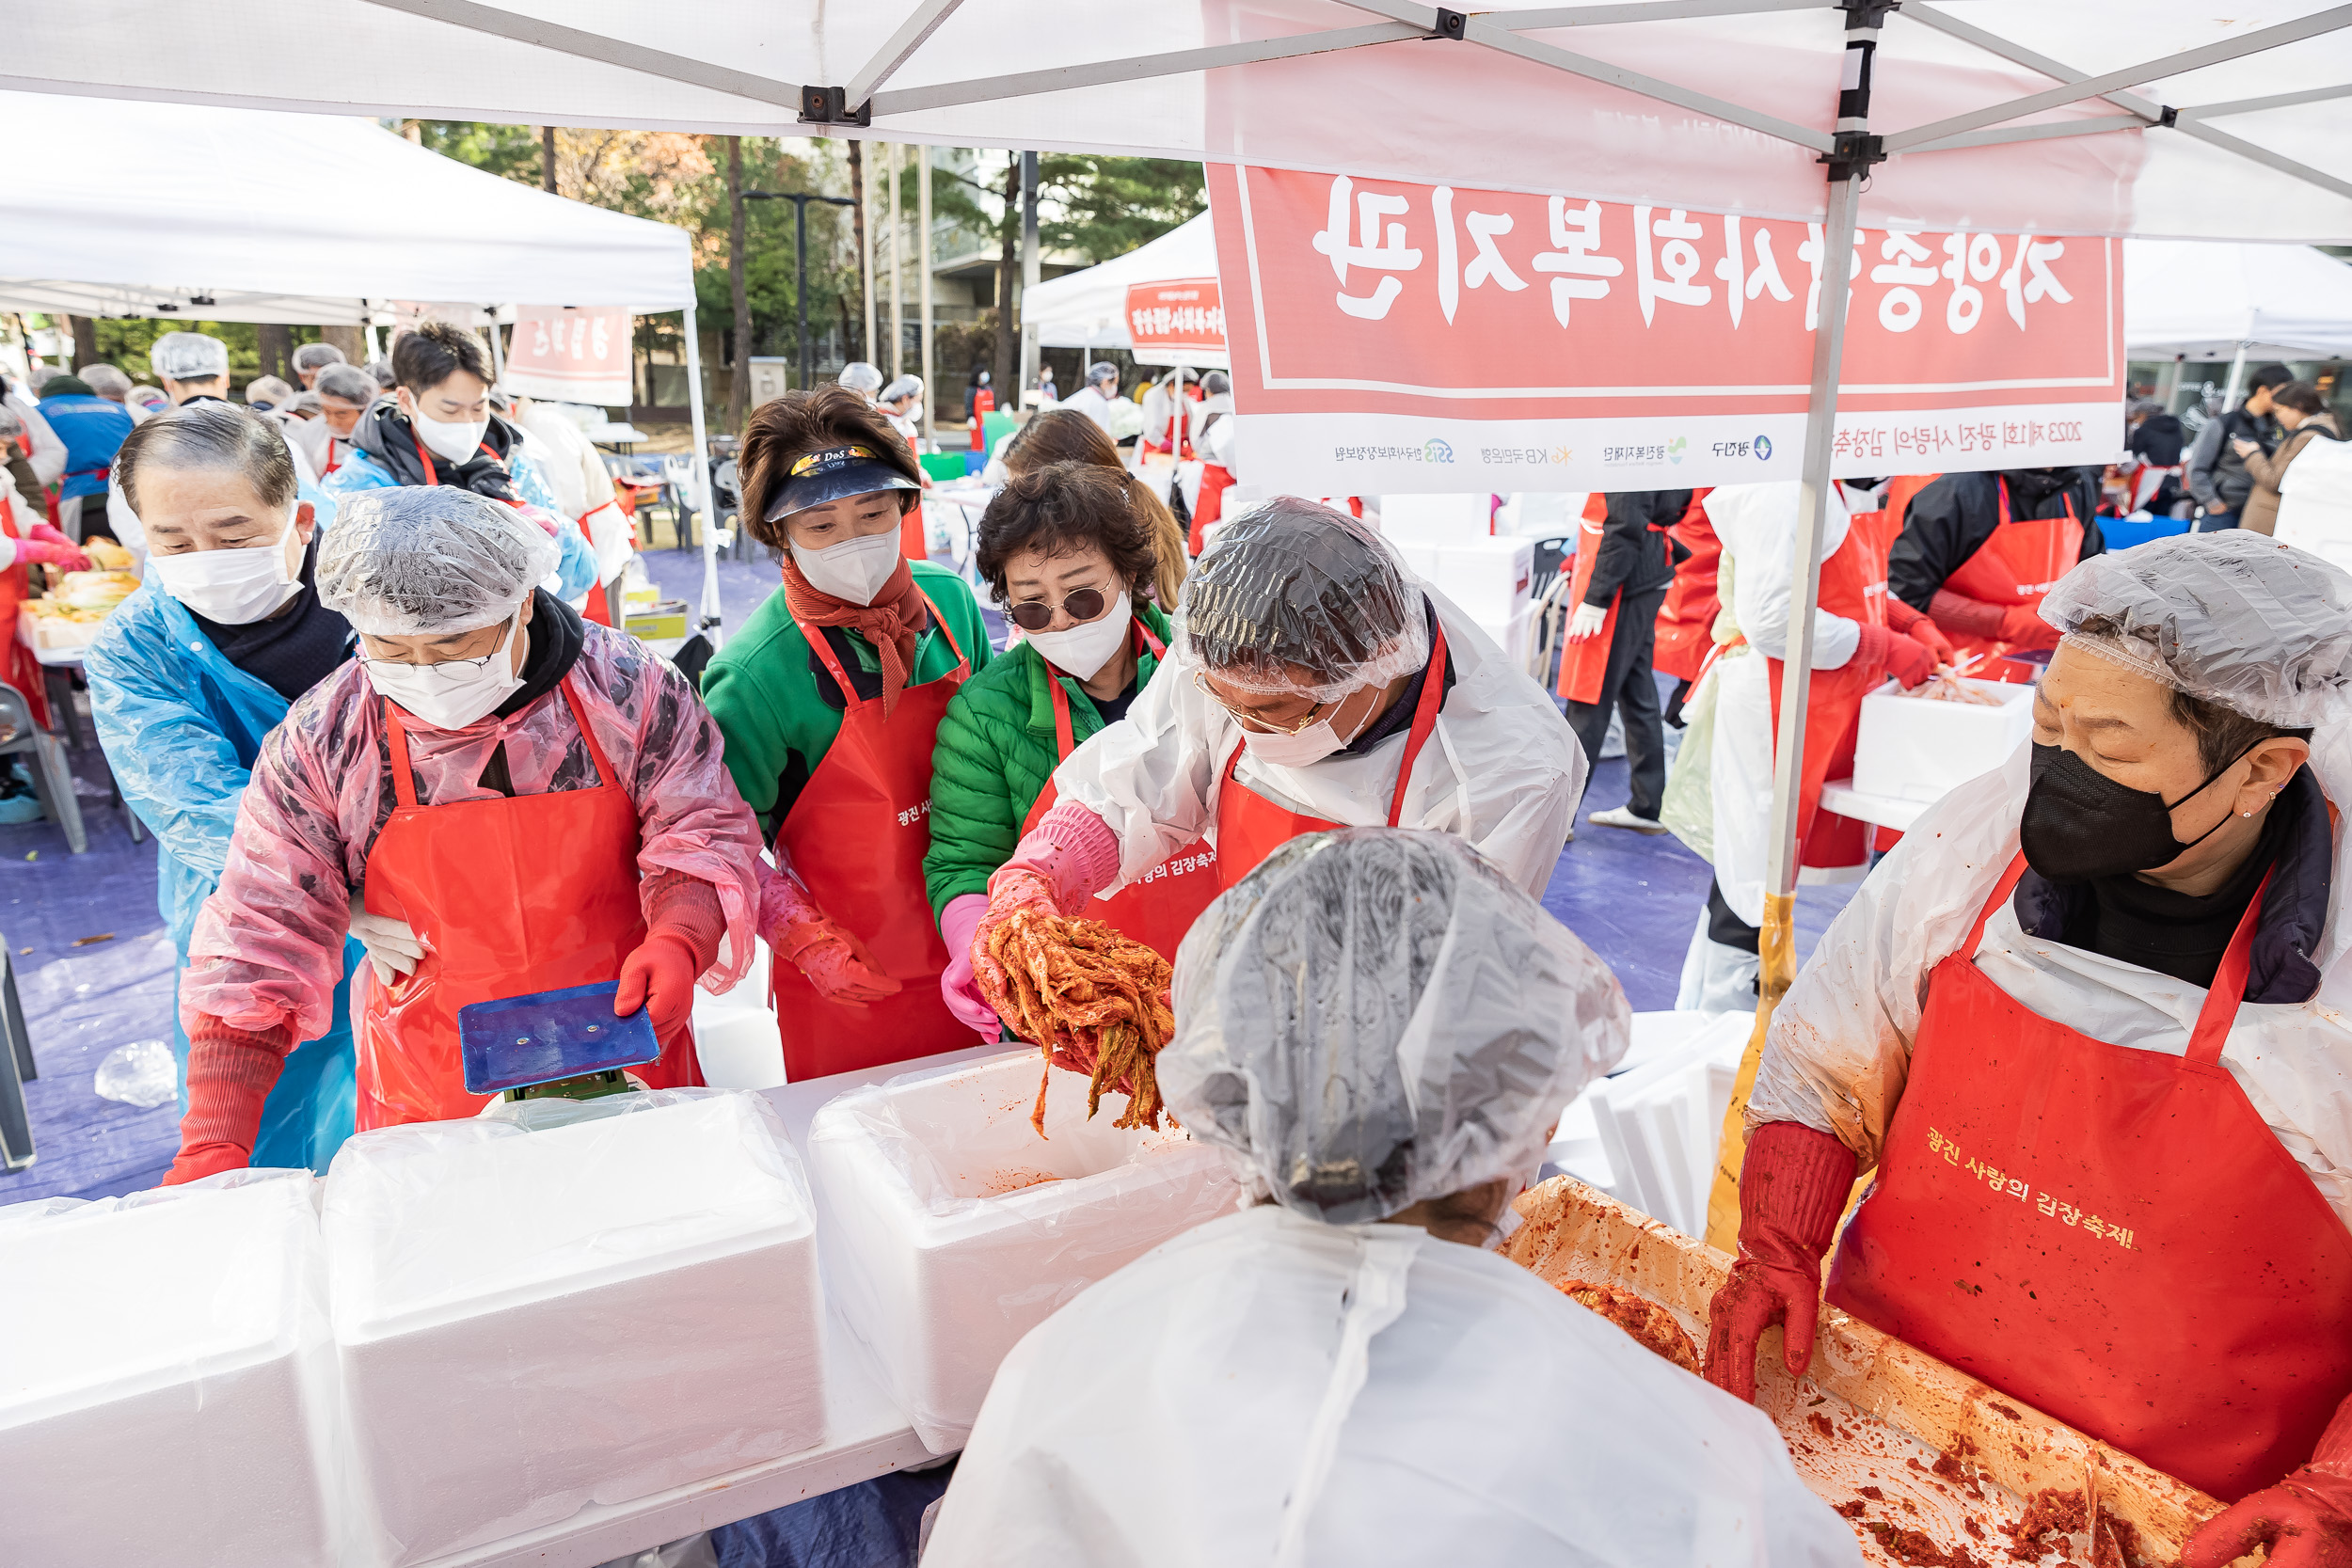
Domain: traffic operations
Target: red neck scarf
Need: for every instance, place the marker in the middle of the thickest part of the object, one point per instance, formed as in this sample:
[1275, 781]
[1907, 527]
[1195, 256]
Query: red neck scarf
[891, 623]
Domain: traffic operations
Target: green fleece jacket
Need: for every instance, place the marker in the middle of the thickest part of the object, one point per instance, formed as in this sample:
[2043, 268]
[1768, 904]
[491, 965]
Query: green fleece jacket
[762, 689]
[995, 751]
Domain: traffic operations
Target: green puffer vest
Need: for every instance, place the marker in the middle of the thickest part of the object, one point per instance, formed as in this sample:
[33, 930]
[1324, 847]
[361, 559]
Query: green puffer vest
[995, 753]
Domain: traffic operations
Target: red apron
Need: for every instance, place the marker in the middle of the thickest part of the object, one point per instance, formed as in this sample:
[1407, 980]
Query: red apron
[1854, 585]
[2018, 565]
[1159, 907]
[23, 670]
[856, 836]
[1685, 619]
[498, 917]
[1216, 479]
[1896, 498]
[333, 462]
[2110, 1234]
[1250, 827]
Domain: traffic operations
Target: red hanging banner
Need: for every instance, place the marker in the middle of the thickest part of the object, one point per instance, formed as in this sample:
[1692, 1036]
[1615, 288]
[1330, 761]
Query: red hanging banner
[1174, 320]
[1392, 336]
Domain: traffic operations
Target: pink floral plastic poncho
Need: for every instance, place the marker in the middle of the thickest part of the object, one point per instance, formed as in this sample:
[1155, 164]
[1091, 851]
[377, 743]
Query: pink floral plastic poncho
[268, 944]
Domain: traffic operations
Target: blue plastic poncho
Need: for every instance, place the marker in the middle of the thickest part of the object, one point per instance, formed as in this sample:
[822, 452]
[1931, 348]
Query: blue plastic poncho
[181, 726]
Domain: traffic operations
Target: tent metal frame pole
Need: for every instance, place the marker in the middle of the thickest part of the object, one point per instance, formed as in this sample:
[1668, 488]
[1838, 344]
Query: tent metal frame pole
[898, 271]
[866, 257]
[2237, 378]
[699, 503]
[923, 261]
[1032, 265]
[1857, 149]
[911, 35]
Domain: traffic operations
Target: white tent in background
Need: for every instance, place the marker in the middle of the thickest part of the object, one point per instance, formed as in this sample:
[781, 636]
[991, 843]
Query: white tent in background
[2235, 301]
[136, 209]
[1088, 309]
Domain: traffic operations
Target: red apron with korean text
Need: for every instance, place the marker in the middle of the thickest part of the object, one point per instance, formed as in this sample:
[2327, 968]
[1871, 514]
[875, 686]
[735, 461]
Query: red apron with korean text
[1158, 908]
[1686, 618]
[1250, 827]
[1854, 585]
[2018, 565]
[498, 917]
[2110, 1234]
[23, 670]
[856, 835]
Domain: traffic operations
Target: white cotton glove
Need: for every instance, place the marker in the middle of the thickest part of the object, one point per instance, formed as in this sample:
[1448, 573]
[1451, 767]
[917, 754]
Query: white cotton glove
[392, 947]
[1586, 622]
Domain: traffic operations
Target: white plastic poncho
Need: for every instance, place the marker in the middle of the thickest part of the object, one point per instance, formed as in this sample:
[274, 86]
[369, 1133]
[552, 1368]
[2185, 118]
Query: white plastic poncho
[1502, 768]
[1275, 1388]
[2231, 617]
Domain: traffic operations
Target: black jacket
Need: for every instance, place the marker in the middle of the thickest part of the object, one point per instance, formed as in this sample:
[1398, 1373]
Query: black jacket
[1951, 521]
[1634, 553]
[2217, 474]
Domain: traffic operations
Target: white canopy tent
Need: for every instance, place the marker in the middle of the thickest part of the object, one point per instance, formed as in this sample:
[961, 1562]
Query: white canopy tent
[1089, 309]
[2140, 118]
[2235, 302]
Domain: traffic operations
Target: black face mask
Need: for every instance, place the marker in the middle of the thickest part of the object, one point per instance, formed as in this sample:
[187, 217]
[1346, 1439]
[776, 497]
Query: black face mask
[2079, 824]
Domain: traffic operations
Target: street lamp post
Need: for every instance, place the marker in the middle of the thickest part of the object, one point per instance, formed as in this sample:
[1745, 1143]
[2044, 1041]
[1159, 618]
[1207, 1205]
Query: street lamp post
[799, 200]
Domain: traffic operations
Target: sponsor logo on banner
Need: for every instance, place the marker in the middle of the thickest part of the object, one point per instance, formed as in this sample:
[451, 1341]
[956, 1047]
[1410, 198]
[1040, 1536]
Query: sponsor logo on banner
[1626, 337]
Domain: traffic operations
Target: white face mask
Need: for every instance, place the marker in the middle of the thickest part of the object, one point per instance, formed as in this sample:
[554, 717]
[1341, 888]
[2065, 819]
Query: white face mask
[450, 696]
[457, 443]
[1083, 650]
[1311, 745]
[853, 570]
[231, 588]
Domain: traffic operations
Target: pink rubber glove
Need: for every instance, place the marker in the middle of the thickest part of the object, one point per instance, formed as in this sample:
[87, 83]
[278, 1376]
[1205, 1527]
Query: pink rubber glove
[1068, 858]
[833, 961]
[59, 552]
[956, 922]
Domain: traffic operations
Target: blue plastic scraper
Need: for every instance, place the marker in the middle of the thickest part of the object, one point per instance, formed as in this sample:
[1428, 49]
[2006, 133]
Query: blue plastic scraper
[554, 1044]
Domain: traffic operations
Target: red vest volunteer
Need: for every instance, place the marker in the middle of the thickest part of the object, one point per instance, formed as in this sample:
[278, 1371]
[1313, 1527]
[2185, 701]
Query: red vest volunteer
[1978, 551]
[412, 798]
[2073, 1023]
[1314, 684]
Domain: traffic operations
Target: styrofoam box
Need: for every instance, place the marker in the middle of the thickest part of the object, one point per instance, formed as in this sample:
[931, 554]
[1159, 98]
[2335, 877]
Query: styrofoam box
[529, 1322]
[953, 1229]
[1487, 577]
[1433, 518]
[1660, 1121]
[165, 1389]
[1912, 749]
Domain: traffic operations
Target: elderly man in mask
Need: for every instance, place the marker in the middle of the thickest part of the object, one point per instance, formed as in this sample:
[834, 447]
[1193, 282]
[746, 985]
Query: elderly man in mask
[496, 797]
[2086, 1023]
[1378, 1029]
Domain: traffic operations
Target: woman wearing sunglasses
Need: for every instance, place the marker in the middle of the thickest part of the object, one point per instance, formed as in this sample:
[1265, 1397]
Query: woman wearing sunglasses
[1317, 685]
[829, 700]
[1071, 554]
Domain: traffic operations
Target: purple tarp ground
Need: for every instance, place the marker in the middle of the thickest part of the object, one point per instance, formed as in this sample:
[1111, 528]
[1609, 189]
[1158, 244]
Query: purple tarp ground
[1632, 898]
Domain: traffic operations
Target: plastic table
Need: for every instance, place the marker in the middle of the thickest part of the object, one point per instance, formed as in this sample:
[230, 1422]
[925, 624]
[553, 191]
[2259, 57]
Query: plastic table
[1886, 811]
[865, 1434]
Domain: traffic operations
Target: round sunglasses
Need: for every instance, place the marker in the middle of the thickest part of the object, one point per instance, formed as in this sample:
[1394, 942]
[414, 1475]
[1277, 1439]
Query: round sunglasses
[1250, 721]
[1082, 603]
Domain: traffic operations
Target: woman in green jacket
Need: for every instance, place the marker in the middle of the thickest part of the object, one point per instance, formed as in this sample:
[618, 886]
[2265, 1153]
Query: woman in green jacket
[1070, 553]
[829, 700]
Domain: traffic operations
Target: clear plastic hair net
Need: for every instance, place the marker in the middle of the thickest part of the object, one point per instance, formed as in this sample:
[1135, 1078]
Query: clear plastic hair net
[430, 559]
[2234, 618]
[189, 356]
[905, 386]
[859, 376]
[1377, 1016]
[1296, 597]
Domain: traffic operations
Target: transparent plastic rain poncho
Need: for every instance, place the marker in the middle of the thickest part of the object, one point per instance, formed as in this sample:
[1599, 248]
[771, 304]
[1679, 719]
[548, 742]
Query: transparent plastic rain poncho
[430, 559]
[1377, 1016]
[269, 946]
[1296, 597]
[2234, 618]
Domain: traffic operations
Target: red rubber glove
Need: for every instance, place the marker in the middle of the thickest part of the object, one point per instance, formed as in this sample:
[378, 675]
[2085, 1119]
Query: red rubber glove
[2022, 627]
[59, 552]
[833, 961]
[659, 977]
[1900, 656]
[2306, 1519]
[1957, 613]
[231, 1072]
[1792, 1188]
[1901, 618]
[1068, 857]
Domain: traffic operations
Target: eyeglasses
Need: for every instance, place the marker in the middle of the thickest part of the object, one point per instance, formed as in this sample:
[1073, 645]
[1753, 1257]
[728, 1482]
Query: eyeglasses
[1250, 720]
[1082, 603]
